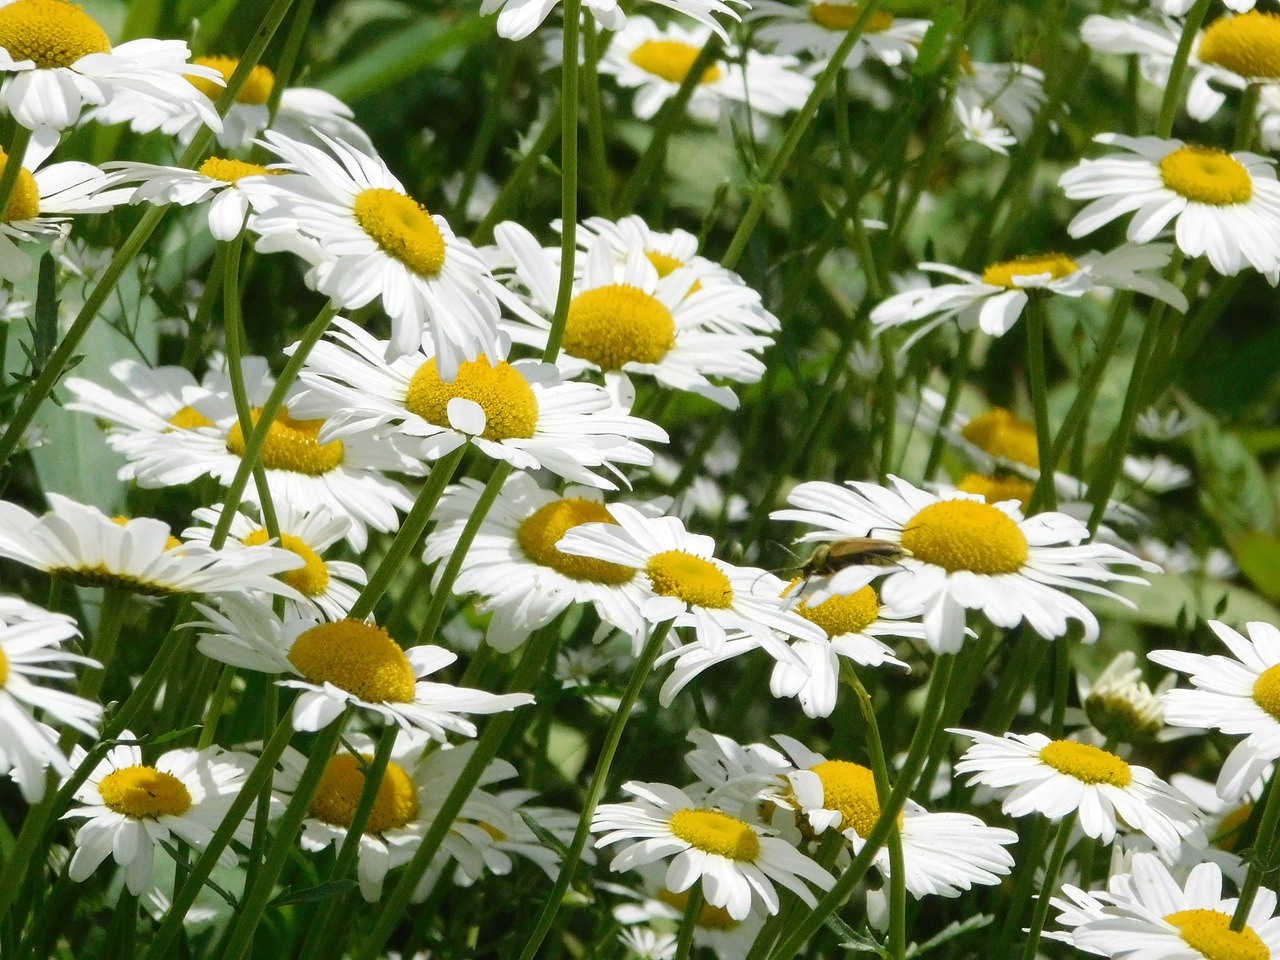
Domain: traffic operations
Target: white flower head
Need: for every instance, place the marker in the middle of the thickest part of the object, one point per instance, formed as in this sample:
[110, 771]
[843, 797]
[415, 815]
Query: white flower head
[519, 18]
[817, 27]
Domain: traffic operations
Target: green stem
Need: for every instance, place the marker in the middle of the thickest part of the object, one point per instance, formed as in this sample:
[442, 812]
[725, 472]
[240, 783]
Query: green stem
[959, 375]
[568, 177]
[1264, 855]
[264, 877]
[518, 181]
[532, 661]
[599, 777]
[1177, 69]
[110, 619]
[1247, 118]
[921, 741]
[602, 192]
[689, 922]
[406, 542]
[217, 703]
[13, 165]
[435, 612]
[1037, 307]
[1050, 884]
[204, 311]
[490, 123]
[797, 130]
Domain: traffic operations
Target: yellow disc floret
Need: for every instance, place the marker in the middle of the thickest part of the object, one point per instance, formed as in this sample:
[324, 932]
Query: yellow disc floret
[4, 669]
[717, 833]
[189, 418]
[1056, 265]
[256, 90]
[1266, 691]
[618, 324]
[231, 171]
[1087, 763]
[51, 33]
[1004, 434]
[539, 533]
[402, 228]
[311, 579]
[840, 615]
[842, 16]
[850, 789]
[667, 265]
[674, 573]
[339, 792]
[1248, 45]
[25, 202]
[966, 535]
[356, 657]
[292, 445]
[998, 489]
[509, 403]
[1227, 836]
[144, 792]
[1210, 933]
[1206, 175]
[671, 60]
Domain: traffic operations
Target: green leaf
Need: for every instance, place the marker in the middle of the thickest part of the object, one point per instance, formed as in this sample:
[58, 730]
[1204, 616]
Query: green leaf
[1234, 488]
[1258, 555]
[321, 891]
[937, 42]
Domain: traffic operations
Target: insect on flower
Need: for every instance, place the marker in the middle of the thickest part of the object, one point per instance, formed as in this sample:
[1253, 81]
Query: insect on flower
[828, 559]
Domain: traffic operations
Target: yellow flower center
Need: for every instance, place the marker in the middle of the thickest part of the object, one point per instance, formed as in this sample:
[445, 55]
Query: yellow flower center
[842, 16]
[998, 489]
[1266, 691]
[966, 535]
[256, 90]
[1087, 763]
[1206, 175]
[51, 33]
[667, 265]
[671, 60]
[509, 403]
[189, 418]
[1209, 931]
[1001, 274]
[1248, 44]
[618, 324]
[4, 668]
[840, 615]
[717, 833]
[25, 202]
[699, 582]
[402, 228]
[709, 917]
[292, 445]
[1003, 434]
[230, 171]
[339, 792]
[310, 580]
[145, 792]
[171, 544]
[1228, 836]
[541, 531]
[850, 789]
[360, 659]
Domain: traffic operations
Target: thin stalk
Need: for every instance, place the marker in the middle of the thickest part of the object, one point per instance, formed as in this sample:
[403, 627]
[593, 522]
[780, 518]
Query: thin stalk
[13, 165]
[1023, 885]
[1061, 684]
[568, 177]
[797, 130]
[689, 922]
[534, 658]
[518, 181]
[602, 192]
[490, 124]
[217, 703]
[435, 612]
[1037, 307]
[959, 376]
[599, 777]
[1247, 118]
[204, 311]
[406, 541]
[921, 741]
[264, 877]
[1060, 844]
[110, 619]
[1264, 855]
[1196, 327]
[1178, 69]
[288, 60]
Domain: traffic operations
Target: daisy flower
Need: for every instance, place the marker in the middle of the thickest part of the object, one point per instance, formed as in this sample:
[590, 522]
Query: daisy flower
[81, 544]
[519, 18]
[728, 938]
[30, 651]
[216, 177]
[130, 807]
[1148, 915]
[526, 582]
[688, 584]
[1011, 92]
[639, 322]
[44, 198]
[328, 587]
[979, 125]
[523, 413]
[346, 662]
[1058, 777]
[58, 59]
[738, 863]
[375, 241]
[995, 299]
[1225, 206]
[1120, 704]
[943, 854]
[962, 553]
[1237, 696]
[817, 27]
[654, 61]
